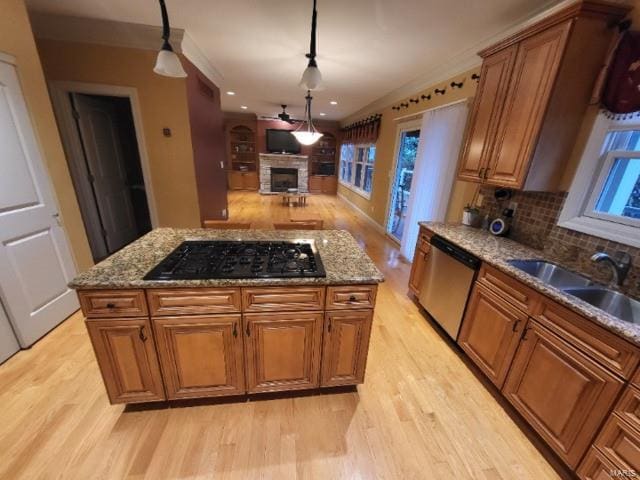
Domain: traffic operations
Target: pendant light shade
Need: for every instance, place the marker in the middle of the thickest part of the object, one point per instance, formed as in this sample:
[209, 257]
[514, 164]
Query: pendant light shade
[312, 78]
[167, 64]
[308, 135]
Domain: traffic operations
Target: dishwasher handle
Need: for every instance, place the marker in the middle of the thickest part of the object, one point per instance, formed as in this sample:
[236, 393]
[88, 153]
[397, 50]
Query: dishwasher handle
[456, 252]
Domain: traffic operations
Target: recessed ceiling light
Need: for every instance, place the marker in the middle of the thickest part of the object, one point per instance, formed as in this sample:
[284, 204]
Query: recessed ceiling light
[322, 114]
[244, 107]
[333, 102]
[231, 93]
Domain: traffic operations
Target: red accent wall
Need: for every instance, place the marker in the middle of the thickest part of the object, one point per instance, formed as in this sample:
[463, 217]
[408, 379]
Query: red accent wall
[207, 138]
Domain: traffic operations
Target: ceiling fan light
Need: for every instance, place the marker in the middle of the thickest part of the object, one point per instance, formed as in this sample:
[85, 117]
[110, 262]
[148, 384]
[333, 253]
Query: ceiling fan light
[306, 137]
[168, 64]
[311, 79]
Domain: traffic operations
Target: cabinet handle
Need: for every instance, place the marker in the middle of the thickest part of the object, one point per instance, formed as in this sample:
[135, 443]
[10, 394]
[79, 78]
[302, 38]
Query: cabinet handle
[111, 305]
[142, 336]
[247, 331]
[235, 329]
[329, 326]
[486, 173]
[515, 325]
[524, 333]
[480, 172]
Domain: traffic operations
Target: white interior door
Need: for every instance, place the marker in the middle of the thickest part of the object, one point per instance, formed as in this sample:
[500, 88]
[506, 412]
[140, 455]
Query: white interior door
[98, 124]
[8, 341]
[35, 261]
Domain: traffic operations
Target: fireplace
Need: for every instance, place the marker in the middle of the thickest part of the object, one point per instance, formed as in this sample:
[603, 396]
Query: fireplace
[283, 179]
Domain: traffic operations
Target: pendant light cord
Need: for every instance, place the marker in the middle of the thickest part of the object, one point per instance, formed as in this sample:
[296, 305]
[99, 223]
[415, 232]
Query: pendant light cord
[166, 29]
[312, 46]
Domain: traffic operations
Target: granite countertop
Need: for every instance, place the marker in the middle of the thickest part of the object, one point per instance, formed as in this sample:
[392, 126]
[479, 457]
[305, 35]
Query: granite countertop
[344, 260]
[497, 250]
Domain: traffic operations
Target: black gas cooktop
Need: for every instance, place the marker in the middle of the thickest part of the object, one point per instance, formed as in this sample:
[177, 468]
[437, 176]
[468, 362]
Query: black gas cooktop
[205, 259]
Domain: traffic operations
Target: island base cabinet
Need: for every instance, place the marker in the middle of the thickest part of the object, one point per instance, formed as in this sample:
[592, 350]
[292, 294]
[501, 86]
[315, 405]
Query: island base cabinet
[346, 343]
[282, 350]
[563, 394]
[127, 358]
[491, 333]
[201, 356]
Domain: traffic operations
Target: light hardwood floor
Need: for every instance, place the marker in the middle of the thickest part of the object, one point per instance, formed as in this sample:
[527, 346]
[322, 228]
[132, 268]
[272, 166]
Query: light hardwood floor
[421, 413]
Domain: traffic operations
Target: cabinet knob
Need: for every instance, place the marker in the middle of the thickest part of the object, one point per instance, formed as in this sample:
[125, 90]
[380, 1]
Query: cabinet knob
[352, 298]
[515, 325]
[143, 337]
[247, 331]
[111, 305]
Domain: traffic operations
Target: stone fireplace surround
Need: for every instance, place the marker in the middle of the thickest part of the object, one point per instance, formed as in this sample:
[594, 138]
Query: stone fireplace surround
[299, 162]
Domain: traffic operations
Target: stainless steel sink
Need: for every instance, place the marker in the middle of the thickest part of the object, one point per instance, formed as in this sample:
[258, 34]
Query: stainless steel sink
[611, 301]
[550, 273]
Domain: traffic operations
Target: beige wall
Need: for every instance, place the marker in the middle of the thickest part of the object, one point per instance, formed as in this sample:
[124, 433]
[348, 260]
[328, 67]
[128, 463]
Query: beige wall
[16, 39]
[385, 151]
[163, 103]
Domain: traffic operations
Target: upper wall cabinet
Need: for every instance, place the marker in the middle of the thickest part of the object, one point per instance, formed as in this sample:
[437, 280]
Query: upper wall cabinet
[534, 89]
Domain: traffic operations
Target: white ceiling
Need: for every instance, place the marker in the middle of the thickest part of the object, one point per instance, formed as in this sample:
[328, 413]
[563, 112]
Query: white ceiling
[367, 48]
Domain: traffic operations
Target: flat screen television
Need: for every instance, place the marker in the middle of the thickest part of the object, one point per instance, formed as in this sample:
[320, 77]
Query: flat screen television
[281, 141]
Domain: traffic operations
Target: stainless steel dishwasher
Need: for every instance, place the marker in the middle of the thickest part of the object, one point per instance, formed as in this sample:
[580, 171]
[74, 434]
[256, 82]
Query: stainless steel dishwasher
[446, 283]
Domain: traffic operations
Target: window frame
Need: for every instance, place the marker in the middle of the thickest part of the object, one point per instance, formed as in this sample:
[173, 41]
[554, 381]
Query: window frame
[578, 212]
[365, 148]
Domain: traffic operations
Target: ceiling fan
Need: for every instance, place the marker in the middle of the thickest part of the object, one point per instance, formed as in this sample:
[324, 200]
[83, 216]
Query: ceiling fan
[284, 116]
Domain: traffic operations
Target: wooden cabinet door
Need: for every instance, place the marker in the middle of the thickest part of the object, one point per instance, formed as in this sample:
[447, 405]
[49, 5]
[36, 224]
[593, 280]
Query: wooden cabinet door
[127, 358]
[485, 113]
[201, 356]
[346, 343]
[529, 92]
[420, 259]
[563, 394]
[490, 333]
[597, 466]
[282, 350]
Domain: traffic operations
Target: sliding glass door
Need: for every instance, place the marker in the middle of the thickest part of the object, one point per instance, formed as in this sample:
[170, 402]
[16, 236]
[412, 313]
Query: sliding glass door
[406, 151]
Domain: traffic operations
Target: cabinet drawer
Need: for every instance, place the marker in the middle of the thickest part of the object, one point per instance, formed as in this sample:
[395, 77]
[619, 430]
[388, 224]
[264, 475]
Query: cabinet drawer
[596, 466]
[629, 406]
[509, 289]
[352, 296]
[620, 443]
[604, 347]
[164, 302]
[113, 303]
[282, 299]
[424, 238]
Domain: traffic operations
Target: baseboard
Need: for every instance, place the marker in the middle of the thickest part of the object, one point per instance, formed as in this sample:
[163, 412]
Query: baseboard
[373, 223]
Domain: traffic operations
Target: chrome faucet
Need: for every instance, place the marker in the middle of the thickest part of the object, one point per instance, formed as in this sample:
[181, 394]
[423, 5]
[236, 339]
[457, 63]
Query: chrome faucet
[620, 265]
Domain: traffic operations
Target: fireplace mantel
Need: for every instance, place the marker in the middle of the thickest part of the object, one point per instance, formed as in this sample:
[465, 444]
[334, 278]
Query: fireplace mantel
[299, 162]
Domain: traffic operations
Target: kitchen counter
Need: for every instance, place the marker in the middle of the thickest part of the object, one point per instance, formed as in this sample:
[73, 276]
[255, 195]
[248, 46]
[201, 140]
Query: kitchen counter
[496, 251]
[344, 260]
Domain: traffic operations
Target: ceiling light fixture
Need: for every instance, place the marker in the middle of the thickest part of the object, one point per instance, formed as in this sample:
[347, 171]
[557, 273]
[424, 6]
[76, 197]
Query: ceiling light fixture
[231, 93]
[322, 114]
[167, 64]
[333, 102]
[243, 107]
[308, 135]
[312, 78]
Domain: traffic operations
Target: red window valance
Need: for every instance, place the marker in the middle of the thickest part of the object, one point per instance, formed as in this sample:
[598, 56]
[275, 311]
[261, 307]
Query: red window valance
[363, 131]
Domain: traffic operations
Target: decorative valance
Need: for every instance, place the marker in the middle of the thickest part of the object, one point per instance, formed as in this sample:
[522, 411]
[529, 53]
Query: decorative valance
[363, 131]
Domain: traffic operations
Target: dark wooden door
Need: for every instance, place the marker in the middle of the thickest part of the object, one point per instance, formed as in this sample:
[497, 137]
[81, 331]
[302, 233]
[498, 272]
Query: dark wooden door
[201, 356]
[563, 394]
[491, 332]
[127, 358]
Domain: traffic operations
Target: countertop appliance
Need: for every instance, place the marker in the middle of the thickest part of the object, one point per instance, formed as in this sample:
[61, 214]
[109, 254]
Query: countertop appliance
[446, 284]
[205, 259]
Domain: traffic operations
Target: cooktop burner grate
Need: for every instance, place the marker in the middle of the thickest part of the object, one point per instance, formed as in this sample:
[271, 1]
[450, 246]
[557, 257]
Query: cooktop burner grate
[206, 259]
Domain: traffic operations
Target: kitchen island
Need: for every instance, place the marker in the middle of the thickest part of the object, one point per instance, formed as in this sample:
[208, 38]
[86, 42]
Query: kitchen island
[158, 340]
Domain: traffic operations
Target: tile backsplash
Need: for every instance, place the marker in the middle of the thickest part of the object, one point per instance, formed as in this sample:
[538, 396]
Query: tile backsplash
[534, 225]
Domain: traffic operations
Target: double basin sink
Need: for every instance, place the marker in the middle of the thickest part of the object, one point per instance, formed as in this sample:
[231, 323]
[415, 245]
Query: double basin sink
[606, 299]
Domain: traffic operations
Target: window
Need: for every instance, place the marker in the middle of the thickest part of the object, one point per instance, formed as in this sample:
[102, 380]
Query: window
[604, 199]
[356, 167]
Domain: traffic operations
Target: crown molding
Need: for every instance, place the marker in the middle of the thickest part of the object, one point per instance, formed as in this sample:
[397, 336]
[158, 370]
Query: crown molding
[192, 51]
[102, 32]
[458, 63]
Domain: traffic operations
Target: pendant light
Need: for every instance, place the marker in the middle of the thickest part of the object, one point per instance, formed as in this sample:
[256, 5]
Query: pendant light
[309, 135]
[168, 64]
[312, 78]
